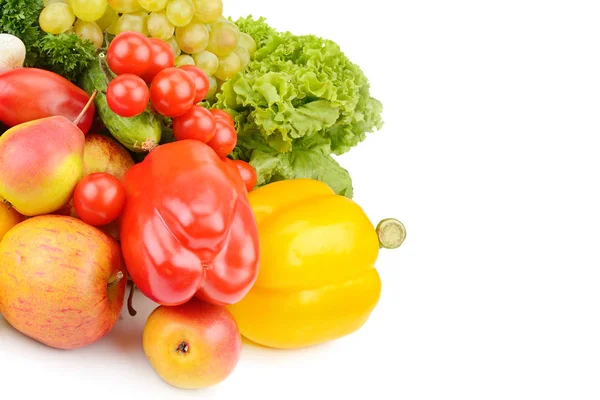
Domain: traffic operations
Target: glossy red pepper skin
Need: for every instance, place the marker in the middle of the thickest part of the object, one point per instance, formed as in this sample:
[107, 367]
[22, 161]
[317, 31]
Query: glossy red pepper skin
[187, 228]
[28, 94]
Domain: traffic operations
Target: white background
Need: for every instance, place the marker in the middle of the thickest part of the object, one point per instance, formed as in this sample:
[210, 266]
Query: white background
[489, 156]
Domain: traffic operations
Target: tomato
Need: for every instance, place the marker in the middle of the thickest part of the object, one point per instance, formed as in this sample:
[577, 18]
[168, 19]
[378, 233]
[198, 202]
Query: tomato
[247, 172]
[222, 115]
[127, 95]
[99, 198]
[200, 80]
[172, 92]
[129, 53]
[162, 58]
[224, 140]
[198, 124]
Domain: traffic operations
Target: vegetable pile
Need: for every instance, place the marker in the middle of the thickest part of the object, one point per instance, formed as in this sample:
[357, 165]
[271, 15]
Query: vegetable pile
[159, 145]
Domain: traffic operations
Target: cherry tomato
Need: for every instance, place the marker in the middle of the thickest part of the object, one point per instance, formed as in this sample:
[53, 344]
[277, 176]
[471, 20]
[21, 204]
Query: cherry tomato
[162, 58]
[172, 92]
[224, 140]
[247, 172]
[200, 80]
[129, 53]
[198, 124]
[223, 115]
[127, 95]
[99, 199]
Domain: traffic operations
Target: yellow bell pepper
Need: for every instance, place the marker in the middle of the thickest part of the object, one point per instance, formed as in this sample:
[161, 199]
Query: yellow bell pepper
[317, 279]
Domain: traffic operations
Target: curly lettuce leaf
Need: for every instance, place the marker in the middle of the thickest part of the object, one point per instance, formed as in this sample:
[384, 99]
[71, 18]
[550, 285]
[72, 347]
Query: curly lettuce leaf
[301, 86]
[310, 159]
[260, 31]
[298, 102]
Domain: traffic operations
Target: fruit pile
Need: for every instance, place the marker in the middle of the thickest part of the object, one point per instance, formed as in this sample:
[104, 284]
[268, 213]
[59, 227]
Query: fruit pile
[195, 30]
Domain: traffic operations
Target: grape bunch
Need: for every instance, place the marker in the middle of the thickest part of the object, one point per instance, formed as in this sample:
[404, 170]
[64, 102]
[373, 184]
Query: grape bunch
[196, 30]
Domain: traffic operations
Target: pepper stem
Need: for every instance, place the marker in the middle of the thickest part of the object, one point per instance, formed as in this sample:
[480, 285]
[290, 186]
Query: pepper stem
[391, 233]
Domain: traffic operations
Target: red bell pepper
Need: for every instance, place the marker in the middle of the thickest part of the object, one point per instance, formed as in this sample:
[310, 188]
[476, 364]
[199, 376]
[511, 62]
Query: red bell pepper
[187, 228]
[28, 94]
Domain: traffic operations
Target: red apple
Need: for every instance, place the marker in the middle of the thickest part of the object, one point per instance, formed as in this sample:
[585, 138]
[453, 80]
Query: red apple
[62, 282]
[192, 346]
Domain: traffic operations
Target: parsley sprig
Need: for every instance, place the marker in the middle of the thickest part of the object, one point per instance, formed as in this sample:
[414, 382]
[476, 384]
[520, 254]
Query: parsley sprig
[65, 54]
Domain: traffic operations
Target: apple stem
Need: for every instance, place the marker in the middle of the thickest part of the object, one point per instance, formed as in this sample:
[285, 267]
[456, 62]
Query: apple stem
[120, 276]
[85, 109]
[130, 308]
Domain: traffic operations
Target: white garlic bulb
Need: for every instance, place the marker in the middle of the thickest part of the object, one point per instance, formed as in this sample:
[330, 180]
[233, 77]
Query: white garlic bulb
[12, 52]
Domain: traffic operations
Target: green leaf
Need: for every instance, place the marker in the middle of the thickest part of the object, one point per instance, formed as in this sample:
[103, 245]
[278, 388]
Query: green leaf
[65, 54]
[302, 164]
[310, 159]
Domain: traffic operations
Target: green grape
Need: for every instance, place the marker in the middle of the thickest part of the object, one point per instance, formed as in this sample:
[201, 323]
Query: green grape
[56, 18]
[244, 57]
[223, 38]
[180, 12]
[228, 67]
[206, 61]
[246, 41]
[89, 31]
[135, 22]
[159, 26]
[192, 38]
[220, 85]
[110, 17]
[212, 90]
[184, 59]
[112, 29]
[208, 10]
[153, 5]
[125, 6]
[88, 10]
[174, 46]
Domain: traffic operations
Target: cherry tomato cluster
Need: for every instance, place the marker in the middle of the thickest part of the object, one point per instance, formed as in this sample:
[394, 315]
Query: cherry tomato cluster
[139, 61]
[146, 75]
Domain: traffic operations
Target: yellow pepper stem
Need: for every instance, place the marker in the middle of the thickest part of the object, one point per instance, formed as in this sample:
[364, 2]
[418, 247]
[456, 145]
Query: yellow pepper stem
[391, 233]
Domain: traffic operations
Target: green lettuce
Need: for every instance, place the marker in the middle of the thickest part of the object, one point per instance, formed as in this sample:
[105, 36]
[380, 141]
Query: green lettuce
[299, 101]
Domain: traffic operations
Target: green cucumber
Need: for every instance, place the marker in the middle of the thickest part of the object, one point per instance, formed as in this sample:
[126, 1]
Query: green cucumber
[139, 134]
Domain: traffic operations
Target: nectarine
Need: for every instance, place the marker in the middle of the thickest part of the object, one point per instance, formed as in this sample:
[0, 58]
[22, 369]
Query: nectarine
[192, 346]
